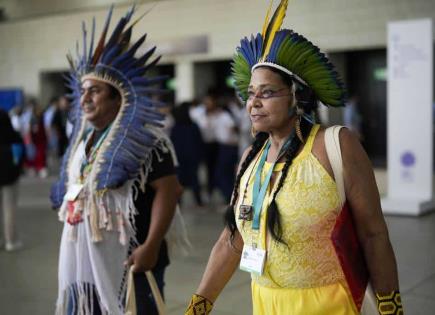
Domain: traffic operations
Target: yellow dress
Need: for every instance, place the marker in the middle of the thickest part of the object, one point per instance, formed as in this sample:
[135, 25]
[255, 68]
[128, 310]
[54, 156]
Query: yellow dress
[306, 277]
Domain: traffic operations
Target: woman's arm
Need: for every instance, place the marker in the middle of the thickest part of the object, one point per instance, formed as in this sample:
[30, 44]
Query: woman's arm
[363, 197]
[223, 262]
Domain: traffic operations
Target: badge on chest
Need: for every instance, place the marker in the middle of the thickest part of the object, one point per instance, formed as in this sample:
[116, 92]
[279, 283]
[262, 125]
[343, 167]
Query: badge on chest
[253, 259]
[245, 212]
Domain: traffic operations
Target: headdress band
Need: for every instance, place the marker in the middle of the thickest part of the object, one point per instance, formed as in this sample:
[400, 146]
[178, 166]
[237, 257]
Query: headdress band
[281, 68]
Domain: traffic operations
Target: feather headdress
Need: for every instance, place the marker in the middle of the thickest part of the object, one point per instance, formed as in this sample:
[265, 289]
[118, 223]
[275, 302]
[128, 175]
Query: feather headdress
[129, 140]
[290, 53]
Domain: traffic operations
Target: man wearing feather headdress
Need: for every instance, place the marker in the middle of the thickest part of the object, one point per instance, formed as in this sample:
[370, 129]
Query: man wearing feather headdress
[117, 190]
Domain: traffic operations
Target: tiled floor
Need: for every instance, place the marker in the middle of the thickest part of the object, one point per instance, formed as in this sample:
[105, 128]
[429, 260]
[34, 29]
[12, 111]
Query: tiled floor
[28, 277]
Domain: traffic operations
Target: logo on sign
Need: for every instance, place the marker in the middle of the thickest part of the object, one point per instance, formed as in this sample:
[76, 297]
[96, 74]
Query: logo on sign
[407, 160]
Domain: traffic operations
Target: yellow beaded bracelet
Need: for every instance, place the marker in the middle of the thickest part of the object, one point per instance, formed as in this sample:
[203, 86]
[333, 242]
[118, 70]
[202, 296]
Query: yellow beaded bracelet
[199, 305]
[389, 304]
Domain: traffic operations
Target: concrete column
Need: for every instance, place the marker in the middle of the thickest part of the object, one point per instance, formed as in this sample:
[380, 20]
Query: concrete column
[184, 78]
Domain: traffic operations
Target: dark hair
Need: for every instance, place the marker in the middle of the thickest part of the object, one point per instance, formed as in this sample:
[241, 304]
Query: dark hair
[305, 97]
[113, 92]
[273, 216]
[54, 99]
[181, 114]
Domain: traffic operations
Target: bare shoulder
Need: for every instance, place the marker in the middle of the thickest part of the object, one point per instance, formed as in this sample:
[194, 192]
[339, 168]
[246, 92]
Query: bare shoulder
[354, 156]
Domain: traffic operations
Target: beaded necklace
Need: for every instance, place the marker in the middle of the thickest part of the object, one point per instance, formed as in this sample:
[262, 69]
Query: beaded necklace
[89, 159]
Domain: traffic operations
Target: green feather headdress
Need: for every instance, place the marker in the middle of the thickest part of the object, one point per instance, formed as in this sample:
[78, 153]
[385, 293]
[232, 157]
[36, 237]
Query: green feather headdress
[291, 53]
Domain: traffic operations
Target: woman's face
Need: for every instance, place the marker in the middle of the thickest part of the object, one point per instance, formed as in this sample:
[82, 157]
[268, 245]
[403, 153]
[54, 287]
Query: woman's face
[269, 100]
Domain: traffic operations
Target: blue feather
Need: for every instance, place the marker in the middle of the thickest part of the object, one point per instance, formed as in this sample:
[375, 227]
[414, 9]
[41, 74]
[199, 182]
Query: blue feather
[142, 60]
[116, 33]
[117, 62]
[84, 42]
[91, 44]
[110, 54]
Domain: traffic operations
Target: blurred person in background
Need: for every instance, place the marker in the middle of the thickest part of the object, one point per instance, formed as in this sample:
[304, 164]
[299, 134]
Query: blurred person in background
[243, 124]
[15, 115]
[205, 116]
[59, 125]
[188, 144]
[11, 158]
[35, 139]
[227, 136]
[168, 121]
[52, 137]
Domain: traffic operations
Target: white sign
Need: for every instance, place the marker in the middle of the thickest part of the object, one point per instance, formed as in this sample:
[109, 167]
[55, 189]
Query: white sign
[410, 117]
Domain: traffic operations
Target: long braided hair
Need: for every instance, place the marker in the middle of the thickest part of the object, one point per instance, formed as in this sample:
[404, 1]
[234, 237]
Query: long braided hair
[307, 100]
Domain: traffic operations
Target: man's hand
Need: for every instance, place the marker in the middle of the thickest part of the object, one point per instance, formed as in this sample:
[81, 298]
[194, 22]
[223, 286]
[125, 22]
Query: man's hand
[144, 257]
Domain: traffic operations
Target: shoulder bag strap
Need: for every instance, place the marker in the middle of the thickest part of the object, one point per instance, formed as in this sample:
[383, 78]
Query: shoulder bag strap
[333, 150]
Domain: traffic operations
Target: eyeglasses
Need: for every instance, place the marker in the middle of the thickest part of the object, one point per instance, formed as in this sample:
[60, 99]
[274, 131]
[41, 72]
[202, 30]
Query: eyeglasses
[266, 94]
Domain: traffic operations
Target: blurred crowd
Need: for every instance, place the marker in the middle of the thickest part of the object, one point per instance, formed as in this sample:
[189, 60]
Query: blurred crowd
[212, 132]
[44, 132]
[209, 136]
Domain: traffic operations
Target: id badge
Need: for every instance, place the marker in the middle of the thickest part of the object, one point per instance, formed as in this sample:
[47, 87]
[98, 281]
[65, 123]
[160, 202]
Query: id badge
[73, 192]
[245, 213]
[253, 259]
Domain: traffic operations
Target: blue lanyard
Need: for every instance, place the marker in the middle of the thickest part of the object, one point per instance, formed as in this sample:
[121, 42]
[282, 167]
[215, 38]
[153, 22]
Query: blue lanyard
[259, 189]
[94, 150]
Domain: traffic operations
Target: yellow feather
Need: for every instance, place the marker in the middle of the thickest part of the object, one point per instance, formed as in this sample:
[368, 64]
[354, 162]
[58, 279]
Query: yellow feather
[266, 20]
[274, 26]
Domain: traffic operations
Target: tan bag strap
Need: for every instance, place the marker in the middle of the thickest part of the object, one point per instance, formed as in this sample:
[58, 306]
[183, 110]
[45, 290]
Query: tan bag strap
[130, 299]
[333, 150]
[156, 293]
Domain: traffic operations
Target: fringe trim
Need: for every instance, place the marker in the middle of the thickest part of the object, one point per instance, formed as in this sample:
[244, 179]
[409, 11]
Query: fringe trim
[84, 296]
[115, 208]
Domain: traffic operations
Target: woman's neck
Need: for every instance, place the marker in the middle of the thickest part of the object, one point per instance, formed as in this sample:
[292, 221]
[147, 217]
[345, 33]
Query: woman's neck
[277, 139]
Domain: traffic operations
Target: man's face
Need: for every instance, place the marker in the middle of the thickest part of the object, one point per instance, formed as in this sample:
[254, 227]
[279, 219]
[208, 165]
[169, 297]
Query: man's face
[99, 106]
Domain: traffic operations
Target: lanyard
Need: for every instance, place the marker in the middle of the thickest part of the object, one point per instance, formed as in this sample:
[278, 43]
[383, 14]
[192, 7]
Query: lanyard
[259, 189]
[87, 161]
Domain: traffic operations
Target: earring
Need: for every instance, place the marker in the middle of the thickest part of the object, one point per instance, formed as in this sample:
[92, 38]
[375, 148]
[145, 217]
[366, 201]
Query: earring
[299, 113]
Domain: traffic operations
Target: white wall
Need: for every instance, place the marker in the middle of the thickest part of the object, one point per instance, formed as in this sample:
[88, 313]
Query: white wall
[31, 46]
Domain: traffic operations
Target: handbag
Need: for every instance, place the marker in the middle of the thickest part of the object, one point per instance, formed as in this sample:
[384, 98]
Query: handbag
[344, 236]
[130, 298]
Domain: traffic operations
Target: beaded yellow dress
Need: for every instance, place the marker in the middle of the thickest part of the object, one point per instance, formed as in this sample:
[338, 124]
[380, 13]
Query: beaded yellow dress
[304, 277]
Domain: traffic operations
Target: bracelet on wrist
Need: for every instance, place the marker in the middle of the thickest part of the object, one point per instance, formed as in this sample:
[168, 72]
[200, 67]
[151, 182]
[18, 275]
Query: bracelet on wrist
[199, 305]
[389, 303]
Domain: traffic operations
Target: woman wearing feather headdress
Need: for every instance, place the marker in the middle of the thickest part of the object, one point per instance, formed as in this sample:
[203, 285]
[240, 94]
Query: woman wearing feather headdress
[305, 218]
[117, 190]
